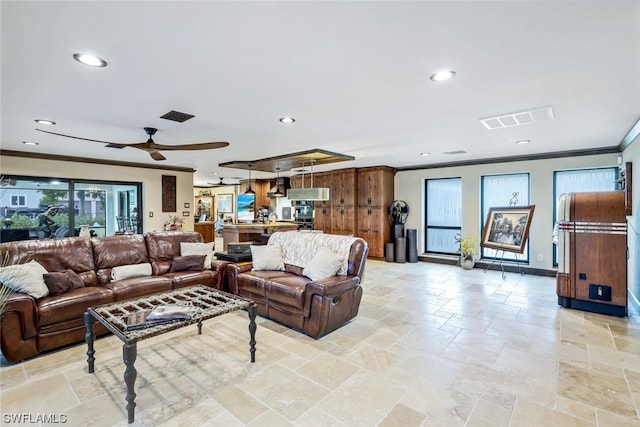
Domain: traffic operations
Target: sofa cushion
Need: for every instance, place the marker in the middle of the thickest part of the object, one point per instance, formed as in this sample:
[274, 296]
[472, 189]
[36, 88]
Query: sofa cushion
[139, 286]
[71, 305]
[62, 281]
[25, 278]
[164, 246]
[189, 248]
[267, 257]
[324, 264]
[287, 290]
[187, 263]
[112, 251]
[123, 272]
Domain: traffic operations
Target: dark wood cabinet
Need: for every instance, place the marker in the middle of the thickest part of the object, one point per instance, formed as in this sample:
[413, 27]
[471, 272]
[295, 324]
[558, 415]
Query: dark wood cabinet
[375, 195]
[358, 203]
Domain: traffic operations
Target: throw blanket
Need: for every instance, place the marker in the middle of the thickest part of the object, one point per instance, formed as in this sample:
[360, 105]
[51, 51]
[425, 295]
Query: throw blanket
[300, 248]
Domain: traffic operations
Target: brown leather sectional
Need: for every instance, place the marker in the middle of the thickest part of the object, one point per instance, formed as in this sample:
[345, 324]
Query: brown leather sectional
[288, 297]
[29, 326]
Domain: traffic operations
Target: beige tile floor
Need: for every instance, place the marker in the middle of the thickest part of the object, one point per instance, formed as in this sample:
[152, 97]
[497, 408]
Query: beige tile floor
[433, 345]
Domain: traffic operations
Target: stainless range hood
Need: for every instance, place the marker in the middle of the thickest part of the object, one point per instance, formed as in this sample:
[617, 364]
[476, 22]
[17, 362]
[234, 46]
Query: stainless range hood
[314, 194]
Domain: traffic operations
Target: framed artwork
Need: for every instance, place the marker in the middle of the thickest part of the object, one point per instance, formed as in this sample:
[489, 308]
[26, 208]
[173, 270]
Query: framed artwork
[246, 207]
[225, 203]
[168, 193]
[507, 228]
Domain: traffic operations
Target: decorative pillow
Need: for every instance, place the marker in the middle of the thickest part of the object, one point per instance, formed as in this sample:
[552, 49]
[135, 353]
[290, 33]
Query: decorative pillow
[187, 263]
[324, 264]
[63, 281]
[267, 257]
[187, 248]
[122, 272]
[25, 278]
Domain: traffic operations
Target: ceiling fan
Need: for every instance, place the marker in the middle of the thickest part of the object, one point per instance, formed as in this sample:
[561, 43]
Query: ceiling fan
[221, 183]
[150, 146]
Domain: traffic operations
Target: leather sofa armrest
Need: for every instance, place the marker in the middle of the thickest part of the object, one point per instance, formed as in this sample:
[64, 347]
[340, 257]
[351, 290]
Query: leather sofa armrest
[24, 318]
[233, 270]
[220, 267]
[332, 286]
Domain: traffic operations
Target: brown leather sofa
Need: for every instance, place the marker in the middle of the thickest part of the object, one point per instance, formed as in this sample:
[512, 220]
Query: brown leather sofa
[288, 297]
[29, 326]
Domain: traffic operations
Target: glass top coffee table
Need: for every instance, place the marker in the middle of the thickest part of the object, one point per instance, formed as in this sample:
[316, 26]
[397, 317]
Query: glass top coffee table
[210, 303]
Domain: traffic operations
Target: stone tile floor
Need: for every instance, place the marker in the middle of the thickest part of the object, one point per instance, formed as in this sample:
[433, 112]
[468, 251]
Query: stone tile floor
[433, 345]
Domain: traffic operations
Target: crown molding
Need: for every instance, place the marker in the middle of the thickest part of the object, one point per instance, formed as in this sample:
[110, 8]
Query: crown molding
[59, 158]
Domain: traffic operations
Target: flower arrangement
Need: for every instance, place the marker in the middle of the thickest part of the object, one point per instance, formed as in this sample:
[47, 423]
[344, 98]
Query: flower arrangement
[174, 223]
[468, 248]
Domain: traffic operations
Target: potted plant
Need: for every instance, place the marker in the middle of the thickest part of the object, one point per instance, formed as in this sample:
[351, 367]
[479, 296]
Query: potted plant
[468, 252]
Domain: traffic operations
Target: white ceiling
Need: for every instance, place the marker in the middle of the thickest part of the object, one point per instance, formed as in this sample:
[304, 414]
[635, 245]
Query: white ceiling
[355, 75]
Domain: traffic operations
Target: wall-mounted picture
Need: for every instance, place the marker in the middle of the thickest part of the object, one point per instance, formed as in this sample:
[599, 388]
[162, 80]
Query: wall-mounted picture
[507, 228]
[225, 203]
[246, 207]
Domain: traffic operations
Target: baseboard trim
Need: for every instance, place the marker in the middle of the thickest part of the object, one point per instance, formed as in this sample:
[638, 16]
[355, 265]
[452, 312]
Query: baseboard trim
[508, 267]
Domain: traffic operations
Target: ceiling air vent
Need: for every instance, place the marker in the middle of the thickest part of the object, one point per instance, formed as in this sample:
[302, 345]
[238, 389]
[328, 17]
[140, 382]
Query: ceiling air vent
[519, 118]
[450, 153]
[177, 116]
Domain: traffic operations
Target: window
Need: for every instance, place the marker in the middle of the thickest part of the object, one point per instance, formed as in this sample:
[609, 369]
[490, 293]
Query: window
[18, 200]
[500, 191]
[46, 208]
[443, 215]
[581, 180]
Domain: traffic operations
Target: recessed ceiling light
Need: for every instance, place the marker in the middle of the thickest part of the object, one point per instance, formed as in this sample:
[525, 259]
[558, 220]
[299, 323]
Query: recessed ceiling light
[45, 122]
[287, 119]
[425, 154]
[441, 76]
[523, 141]
[29, 143]
[90, 60]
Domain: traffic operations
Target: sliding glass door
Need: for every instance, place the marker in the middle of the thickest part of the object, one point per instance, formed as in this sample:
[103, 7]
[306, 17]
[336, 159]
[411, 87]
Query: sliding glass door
[45, 208]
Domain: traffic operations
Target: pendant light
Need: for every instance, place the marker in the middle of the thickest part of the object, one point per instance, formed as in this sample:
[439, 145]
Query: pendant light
[250, 190]
[278, 193]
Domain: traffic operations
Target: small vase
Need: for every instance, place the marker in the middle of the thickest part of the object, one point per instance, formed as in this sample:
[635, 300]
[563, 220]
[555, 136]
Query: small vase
[467, 263]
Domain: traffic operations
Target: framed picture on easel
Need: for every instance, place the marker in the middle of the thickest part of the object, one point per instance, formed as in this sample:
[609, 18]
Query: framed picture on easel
[507, 228]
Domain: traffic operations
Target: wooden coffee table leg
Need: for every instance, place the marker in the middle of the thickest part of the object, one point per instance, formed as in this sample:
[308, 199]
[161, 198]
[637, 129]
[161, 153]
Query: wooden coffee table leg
[252, 331]
[129, 353]
[89, 337]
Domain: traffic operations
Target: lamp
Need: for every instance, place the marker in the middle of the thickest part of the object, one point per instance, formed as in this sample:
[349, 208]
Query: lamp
[250, 190]
[278, 193]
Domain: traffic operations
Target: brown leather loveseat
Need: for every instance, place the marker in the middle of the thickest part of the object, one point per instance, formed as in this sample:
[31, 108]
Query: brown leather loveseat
[29, 326]
[286, 294]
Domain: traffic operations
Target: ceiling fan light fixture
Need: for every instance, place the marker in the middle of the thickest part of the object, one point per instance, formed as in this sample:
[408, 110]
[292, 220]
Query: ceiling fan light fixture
[90, 60]
[44, 122]
[441, 76]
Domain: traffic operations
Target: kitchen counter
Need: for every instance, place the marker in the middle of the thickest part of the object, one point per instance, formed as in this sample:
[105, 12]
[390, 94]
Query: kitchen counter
[253, 232]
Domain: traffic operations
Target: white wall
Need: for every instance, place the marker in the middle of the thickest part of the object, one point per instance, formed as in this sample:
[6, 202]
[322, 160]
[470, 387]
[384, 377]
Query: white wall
[632, 154]
[151, 183]
[410, 187]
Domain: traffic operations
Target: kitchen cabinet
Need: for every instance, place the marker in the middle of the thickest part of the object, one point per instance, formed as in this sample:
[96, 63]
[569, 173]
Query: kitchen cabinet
[375, 195]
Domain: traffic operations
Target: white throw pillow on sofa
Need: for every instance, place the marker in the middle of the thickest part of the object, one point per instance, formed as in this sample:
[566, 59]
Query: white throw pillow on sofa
[187, 248]
[323, 265]
[122, 272]
[25, 278]
[267, 257]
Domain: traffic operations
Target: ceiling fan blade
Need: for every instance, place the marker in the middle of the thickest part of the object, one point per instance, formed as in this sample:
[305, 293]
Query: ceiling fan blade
[156, 155]
[203, 146]
[83, 139]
